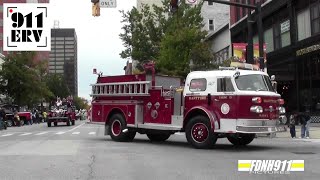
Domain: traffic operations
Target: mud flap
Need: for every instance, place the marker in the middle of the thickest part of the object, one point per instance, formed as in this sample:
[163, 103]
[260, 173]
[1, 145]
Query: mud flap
[106, 130]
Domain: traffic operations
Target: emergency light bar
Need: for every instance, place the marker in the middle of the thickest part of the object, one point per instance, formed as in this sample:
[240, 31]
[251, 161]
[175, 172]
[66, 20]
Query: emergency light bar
[245, 66]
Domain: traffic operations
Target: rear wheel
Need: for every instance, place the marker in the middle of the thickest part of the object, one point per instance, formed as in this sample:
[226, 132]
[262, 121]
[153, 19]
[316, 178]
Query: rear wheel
[117, 124]
[73, 122]
[68, 122]
[199, 133]
[241, 139]
[55, 123]
[49, 124]
[159, 137]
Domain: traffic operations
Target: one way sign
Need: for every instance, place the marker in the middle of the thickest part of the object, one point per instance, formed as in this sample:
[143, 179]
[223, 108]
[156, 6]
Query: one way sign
[108, 3]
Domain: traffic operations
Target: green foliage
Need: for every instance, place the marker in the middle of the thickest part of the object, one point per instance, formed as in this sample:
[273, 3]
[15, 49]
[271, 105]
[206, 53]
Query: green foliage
[80, 103]
[169, 39]
[20, 79]
[57, 85]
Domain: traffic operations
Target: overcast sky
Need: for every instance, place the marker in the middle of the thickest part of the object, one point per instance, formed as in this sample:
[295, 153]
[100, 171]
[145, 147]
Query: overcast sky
[98, 37]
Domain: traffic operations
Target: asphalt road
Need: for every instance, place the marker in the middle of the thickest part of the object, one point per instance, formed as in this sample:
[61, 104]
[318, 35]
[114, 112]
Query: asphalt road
[83, 152]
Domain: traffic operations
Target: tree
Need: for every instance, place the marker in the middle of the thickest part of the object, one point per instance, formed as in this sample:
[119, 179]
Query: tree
[80, 103]
[57, 86]
[169, 39]
[20, 80]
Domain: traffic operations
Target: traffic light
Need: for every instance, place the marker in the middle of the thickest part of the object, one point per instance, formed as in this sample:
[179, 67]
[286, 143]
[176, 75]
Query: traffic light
[95, 8]
[174, 4]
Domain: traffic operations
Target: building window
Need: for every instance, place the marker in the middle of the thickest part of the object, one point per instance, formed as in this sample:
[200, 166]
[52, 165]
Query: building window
[277, 36]
[304, 26]
[1, 36]
[1, 51]
[285, 33]
[315, 18]
[211, 25]
[244, 10]
[268, 36]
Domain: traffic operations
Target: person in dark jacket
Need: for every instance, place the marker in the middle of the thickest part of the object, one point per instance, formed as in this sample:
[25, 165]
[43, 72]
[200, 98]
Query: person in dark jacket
[305, 121]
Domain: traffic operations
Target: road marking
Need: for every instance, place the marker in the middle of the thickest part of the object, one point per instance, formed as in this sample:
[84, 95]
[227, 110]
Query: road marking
[41, 133]
[60, 132]
[75, 127]
[92, 133]
[7, 135]
[25, 134]
[76, 133]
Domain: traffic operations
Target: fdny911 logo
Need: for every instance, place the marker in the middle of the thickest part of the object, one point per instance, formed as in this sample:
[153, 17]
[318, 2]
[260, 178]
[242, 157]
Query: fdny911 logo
[26, 27]
[270, 166]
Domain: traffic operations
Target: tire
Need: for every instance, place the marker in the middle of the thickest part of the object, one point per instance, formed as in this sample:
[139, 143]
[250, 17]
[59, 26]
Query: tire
[73, 122]
[199, 133]
[117, 124]
[158, 137]
[55, 123]
[49, 124]
[9, 123]
[241, 139]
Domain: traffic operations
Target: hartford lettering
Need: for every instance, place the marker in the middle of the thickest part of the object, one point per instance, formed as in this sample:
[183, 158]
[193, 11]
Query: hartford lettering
[24, 35]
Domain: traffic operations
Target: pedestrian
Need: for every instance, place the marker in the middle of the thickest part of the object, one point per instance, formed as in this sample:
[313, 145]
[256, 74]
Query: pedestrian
[292, 124]
[305, 121]
[45, 115]
[37, 117]
[3, 124]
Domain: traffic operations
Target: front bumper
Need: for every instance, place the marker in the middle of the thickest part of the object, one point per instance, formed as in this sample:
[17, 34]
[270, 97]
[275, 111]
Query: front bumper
[259, 126]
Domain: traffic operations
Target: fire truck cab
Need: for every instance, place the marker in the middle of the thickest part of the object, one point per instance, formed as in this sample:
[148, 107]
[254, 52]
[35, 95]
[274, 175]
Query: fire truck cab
[229, 102]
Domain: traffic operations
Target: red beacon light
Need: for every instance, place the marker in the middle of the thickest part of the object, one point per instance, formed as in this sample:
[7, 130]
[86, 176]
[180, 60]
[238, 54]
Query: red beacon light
[281, 101]
[257, 100]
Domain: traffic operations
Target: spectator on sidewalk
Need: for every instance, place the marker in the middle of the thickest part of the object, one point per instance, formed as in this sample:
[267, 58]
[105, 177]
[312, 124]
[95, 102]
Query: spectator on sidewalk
[292, 124]
[305, 121]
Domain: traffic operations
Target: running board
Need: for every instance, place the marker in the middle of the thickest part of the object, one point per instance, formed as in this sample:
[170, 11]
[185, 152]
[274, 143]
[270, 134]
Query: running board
[156, 126]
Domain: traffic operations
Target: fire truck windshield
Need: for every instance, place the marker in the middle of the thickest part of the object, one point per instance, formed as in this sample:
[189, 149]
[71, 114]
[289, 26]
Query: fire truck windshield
[254, 82]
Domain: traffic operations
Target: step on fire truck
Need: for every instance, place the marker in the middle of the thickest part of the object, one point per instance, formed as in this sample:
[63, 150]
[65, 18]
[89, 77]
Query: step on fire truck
[231, 102]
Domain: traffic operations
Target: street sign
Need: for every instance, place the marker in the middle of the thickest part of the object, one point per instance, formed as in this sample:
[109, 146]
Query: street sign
[192, 2]
[108, 3]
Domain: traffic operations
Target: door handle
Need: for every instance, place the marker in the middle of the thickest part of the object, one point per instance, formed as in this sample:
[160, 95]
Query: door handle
[216, 100]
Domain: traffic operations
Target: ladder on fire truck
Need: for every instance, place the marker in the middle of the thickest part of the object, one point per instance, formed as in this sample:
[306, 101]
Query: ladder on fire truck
[137, 88]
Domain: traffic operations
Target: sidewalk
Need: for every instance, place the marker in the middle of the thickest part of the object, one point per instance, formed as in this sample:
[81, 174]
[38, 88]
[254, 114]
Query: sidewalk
[314, 132]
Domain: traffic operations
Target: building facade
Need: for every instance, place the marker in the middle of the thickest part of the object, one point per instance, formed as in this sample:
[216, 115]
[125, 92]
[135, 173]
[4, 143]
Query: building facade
[64, 56]
[214, 15]
[292, 35]
[41, 55]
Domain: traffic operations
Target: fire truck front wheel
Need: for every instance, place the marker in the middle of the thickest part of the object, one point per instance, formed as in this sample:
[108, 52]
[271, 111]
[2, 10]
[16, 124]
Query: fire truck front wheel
[117, 124]
[241, 139]
[199, 133]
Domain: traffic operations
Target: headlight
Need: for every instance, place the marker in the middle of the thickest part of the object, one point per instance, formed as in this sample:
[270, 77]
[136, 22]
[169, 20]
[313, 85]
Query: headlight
[256, 109]
[282, 110]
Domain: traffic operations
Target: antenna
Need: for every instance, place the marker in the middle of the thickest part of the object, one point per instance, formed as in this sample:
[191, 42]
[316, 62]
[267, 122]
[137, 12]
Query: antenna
[56, 24]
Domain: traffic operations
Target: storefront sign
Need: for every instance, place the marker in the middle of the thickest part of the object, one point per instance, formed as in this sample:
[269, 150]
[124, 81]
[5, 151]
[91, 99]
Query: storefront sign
[240, 51]
[285, 26]
[308, 50]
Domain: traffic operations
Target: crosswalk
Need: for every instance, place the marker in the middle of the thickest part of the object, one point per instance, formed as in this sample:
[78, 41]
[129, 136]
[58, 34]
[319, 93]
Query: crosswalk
[45, 133]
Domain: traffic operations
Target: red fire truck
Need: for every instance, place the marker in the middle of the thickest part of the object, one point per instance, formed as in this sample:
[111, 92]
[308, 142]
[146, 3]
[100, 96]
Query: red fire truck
[229, 102]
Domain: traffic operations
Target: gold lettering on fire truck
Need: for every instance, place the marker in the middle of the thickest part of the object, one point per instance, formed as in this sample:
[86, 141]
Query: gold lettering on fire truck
[197, 98]
[263, 115]
[269, 101]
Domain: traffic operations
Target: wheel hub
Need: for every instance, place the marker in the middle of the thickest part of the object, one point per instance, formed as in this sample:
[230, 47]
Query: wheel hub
[116, 128]
[199, 132]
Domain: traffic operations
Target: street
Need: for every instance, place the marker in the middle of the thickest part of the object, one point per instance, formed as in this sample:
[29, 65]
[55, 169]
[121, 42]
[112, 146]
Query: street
[83, 152]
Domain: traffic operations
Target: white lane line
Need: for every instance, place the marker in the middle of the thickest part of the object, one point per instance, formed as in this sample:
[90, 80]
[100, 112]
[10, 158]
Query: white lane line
[7, 135]
[76, 127]
[41, 133]
[60, 132]
[92, 133]
[25, 134]
[76, 133]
